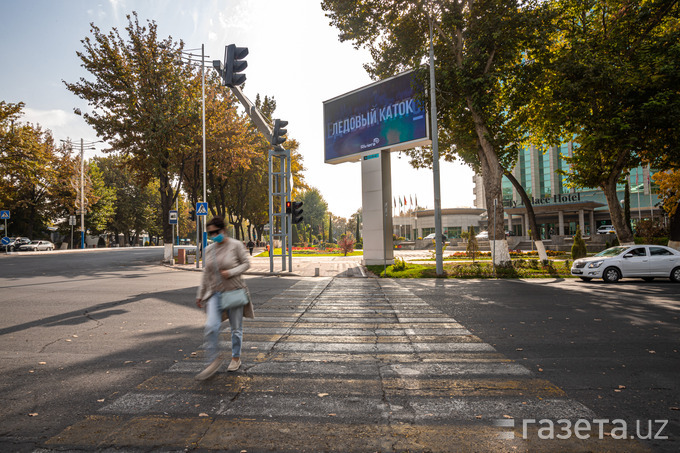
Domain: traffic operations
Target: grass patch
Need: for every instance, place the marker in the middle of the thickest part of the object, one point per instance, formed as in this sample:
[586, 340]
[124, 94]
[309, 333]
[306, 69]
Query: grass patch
[519, 269]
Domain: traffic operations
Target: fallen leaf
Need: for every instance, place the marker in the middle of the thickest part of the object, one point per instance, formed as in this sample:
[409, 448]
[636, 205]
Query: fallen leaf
[42, 363]
[127, 361]
[519, 349]
[540, 369]
[622, 386]
[597, 319]
[101, 400]
[506, 416]
[478, 416]
[652, 352]
[69, 340]
[33, 414]
[674, 408]
[202, 414]
[74, 336]
[148, 361]
[331, 415]
[321, 395]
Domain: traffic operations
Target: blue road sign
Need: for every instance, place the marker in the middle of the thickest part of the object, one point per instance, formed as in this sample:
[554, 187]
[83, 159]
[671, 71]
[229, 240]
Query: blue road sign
[4, 215]
[173, 217]
[6, 240]
[202, 208]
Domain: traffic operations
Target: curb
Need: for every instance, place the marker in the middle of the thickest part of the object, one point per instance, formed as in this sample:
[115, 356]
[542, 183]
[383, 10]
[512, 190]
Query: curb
[260, 273]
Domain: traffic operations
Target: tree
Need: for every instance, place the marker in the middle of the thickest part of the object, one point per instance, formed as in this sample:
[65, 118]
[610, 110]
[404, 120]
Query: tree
[101, 201]
[315, 209]
[480, 48]
[346, 243]
[330, 227]
[610, 84]
[137, 206]
[142, 101]
[669, 191]
[33, 172]
[578, 249]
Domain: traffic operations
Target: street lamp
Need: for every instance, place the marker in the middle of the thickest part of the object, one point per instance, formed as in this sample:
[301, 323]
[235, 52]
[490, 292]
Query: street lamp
[82, 183]
[189, 56]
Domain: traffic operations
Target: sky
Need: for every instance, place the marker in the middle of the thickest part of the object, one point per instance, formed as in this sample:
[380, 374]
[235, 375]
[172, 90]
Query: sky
[294, 55]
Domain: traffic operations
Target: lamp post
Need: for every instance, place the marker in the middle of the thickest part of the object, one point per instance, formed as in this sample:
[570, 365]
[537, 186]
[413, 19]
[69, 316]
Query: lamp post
[82, 184]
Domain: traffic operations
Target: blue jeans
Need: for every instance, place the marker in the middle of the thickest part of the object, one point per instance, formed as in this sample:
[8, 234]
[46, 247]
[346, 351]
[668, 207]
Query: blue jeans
[212, 328]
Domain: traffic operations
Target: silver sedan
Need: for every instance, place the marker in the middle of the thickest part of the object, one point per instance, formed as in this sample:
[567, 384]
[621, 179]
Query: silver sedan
[642, 261]
[37, 245]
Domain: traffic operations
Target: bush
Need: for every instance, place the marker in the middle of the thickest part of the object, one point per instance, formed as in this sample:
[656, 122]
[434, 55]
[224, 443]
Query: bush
[649, 230]
[578, 250]
[346, 244]
[399, 265]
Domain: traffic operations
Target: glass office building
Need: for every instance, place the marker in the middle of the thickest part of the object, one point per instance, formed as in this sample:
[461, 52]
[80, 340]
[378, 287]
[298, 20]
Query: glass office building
[560, 209]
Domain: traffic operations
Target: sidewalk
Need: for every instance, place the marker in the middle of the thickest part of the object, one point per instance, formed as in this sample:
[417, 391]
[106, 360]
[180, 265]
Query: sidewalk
[316, 266]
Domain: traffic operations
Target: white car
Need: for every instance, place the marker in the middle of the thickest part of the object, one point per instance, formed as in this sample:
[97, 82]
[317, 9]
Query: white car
[37, 245]
[606, 229]
[643, 261]
[483, 235]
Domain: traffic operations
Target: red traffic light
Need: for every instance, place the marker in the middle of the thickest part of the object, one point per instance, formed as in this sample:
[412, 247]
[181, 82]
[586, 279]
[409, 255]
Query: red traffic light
[289, 207]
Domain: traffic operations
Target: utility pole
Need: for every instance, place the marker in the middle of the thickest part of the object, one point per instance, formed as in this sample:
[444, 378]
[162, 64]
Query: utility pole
[82, 195]
[435, 166]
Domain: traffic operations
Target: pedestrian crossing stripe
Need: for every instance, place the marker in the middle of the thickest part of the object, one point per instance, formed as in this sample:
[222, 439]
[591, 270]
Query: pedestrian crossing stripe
[202, 208]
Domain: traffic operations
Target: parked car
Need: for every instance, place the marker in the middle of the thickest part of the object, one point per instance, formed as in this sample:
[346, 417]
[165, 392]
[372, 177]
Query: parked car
[484, 235]
[606, 229]
[431, 237]
[15, 244]
[644, 261]
[37, 245]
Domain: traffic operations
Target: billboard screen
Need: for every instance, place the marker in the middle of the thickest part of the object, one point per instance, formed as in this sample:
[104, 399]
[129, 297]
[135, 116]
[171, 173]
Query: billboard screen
[383, 115]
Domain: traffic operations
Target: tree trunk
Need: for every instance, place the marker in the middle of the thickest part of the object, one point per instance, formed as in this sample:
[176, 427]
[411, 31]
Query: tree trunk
[535, 234]
[623, 231]
[674, 229]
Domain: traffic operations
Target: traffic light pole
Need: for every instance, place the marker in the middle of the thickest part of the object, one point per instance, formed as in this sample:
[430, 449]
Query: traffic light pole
[279, 186]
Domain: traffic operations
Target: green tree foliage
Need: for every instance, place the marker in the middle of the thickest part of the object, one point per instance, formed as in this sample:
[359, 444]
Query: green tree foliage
[142, 105]
[101, 203]
[315, 209]
[33, 172]
[578, 249]
[481, 50]
[137, 205]
[610, 82]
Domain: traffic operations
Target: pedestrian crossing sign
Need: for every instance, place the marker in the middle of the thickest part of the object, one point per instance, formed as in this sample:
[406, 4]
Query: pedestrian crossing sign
[4, 215]
[202, 208]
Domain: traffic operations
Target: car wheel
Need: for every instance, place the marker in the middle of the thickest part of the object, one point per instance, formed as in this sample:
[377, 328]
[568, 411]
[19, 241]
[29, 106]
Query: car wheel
[648, 279]
[675, 275]
[611, 275]
[585, 279]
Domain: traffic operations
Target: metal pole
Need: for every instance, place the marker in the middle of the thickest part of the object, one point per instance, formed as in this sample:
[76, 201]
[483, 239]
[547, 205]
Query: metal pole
[493, 258]
[271, 211]
[82, 195]
[205, 194]
[435, 165]
[198, 232]
[289, 217]
[649, 184]
[284, 220]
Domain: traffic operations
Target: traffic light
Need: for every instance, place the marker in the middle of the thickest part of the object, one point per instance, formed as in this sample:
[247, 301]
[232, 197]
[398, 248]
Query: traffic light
[288, 207]
[297, 211]
[278, 136]
[233, 65]
[192, 215]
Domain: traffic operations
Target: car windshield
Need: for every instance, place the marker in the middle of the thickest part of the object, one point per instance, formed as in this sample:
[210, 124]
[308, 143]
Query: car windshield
[35, 242]
[612, 251]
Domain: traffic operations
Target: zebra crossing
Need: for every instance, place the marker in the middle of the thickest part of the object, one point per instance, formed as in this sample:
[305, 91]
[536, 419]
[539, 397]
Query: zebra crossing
[342, 365]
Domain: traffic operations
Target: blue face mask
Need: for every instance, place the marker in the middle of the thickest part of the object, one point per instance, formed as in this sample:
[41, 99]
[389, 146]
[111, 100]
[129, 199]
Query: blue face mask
[218, 238]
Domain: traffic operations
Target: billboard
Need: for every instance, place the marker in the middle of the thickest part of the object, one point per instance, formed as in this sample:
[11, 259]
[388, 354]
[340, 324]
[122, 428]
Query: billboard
[383, 115]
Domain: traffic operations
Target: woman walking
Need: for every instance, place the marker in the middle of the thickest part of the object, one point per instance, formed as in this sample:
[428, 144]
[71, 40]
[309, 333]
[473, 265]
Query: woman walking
[226, 259]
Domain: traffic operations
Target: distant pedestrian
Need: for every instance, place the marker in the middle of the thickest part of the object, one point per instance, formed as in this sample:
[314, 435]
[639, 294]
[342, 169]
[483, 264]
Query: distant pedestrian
[251, 246]
[226, 261]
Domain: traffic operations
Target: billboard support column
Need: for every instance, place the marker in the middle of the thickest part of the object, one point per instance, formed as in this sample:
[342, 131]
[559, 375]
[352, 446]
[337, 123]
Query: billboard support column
[376, 197]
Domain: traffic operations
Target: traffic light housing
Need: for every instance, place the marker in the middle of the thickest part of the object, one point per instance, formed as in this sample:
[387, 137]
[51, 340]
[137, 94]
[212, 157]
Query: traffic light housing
[289, 208]
[296, 209]
[234, 64]
[278, 136]
[192, 215]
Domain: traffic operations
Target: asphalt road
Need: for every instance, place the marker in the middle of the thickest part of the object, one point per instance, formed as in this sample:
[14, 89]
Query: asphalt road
[80, 330]
[614, 348]
[80, 327]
